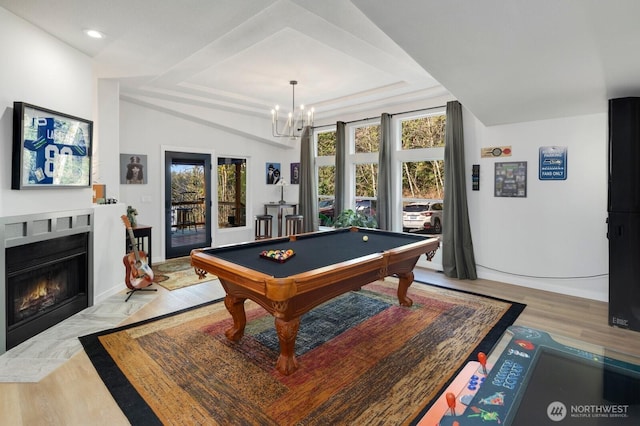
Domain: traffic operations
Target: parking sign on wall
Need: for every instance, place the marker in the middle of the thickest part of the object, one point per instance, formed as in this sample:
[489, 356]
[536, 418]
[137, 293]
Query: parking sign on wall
[553, 163]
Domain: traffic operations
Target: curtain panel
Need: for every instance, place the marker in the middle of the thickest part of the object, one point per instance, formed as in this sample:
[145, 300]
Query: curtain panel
[458, 260]
[341, 167]
[384, 206]
[308, 188]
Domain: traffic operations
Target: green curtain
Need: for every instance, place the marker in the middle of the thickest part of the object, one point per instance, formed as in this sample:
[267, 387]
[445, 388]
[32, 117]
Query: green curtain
[308, 188]
[384, 207]
[458, 260]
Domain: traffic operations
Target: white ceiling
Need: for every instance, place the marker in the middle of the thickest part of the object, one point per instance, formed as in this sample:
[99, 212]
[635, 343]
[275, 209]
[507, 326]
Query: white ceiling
[521, 60]
[505, 60]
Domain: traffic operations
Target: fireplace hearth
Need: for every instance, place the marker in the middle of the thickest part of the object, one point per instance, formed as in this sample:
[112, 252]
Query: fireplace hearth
[47, 272]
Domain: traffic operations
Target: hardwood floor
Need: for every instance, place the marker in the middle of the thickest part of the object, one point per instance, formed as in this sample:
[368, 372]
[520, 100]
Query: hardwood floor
[74, 394]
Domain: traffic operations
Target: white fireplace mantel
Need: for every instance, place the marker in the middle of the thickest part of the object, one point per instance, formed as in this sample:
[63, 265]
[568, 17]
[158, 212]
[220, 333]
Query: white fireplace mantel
[26, 229]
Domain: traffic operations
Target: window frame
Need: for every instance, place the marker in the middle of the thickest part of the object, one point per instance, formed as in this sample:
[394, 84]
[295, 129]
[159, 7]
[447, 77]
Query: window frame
[398, 157]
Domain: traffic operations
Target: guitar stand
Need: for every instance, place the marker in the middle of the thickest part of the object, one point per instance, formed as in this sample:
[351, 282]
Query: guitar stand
[133, 290]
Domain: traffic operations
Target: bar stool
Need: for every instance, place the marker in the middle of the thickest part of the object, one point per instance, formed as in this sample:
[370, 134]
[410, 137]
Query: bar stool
[293, 223]
[263, 226]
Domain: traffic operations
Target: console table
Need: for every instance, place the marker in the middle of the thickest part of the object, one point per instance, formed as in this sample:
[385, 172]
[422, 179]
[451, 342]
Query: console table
[280, 207]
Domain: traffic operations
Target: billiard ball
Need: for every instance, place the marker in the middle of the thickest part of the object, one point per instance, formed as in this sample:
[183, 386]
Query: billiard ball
[365, 238]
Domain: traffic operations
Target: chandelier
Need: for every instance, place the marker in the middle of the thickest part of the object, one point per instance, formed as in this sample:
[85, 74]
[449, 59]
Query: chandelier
[296, 119]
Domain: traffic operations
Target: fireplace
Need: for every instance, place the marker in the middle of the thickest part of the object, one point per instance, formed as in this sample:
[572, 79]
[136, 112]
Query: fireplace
[46, 283]
[47, 272]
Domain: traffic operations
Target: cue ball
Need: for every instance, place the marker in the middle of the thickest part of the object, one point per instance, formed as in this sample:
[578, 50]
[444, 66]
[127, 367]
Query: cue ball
[365, 238]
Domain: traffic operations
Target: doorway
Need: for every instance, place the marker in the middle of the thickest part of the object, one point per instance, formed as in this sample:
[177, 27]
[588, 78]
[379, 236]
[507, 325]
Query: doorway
[187, 202]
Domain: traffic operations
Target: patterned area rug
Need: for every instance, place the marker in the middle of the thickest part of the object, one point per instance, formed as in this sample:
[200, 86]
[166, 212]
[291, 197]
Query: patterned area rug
[177, 273]
[363, 360]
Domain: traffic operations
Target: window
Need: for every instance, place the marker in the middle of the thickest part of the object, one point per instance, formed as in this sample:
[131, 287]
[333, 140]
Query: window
[422, 154]
[418, 166]
[232, 193]
[326, 172]
[362, 159]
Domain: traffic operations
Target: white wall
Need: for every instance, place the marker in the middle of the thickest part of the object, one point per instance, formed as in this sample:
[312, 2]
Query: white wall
[150, 132]
[555, 238]
[43, 71]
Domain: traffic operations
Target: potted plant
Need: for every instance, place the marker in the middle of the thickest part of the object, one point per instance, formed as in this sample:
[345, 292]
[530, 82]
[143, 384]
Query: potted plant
[350, 218]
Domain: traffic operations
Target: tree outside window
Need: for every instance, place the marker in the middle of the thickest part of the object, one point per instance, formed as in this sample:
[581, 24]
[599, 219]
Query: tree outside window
[326, 144]
[423, 132]
[367, 139]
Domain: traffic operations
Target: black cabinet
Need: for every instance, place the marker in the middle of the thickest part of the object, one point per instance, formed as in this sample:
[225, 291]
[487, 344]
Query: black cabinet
[624, 270]
[624, 155]
[624, 213]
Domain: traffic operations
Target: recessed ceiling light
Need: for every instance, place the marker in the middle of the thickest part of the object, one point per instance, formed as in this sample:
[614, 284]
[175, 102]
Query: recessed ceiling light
[94, 33]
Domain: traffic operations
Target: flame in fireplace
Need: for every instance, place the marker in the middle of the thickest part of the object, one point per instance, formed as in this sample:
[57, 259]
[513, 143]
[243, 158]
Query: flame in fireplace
[42, 294]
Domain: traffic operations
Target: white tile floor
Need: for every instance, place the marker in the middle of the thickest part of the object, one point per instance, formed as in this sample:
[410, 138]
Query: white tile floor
[34, 359]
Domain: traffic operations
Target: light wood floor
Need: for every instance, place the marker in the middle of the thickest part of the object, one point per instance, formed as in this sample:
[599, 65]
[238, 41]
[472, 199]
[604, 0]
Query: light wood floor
[74, 394]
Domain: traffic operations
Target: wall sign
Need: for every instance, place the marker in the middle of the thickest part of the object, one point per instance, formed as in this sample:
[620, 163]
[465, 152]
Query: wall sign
[553, 163]
[495, 151]
[511, 179]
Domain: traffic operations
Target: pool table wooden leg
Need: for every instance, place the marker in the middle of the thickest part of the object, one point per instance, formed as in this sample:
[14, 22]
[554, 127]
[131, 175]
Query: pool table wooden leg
[287, 332]
[406, 278]
[235, 306]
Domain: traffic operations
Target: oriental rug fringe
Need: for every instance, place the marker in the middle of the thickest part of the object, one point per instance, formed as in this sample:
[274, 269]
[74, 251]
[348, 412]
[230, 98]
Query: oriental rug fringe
[363, 360]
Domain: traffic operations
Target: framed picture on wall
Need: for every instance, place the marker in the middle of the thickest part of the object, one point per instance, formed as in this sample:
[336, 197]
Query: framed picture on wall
[133, 169]
[511, 179]
[273, 173]
[50, 149]
[295, 173]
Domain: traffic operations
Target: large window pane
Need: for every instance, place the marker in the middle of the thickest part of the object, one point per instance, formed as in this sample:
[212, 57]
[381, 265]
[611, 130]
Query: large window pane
[327, 181]
[367, 180]
[367, 139]
[187, 194]
[423, 179]
[326, 144]
[232, 194]
[366, 188]
[326, 193]
[424, 132]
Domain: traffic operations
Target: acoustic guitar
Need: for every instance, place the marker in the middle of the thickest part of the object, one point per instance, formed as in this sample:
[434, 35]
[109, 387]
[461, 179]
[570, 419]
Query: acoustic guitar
[138, 272]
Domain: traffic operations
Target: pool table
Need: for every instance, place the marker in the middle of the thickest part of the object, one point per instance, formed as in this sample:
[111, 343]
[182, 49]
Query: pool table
[325, 264]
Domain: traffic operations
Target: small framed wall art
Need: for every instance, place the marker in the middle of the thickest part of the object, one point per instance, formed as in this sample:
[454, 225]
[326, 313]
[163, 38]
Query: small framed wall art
[133, 169]
[511, 179]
